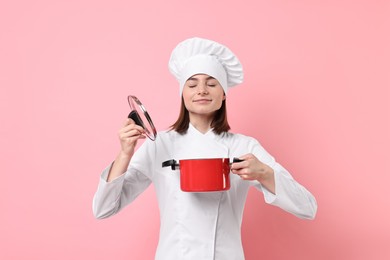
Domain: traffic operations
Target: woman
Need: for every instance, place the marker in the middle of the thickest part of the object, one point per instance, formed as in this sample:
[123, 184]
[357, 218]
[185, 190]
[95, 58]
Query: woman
[199, 225]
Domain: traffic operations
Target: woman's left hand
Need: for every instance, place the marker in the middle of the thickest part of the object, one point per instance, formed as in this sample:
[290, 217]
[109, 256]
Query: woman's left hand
[252, 169]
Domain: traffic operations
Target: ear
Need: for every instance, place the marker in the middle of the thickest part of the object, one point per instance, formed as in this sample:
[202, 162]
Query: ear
[224, 97]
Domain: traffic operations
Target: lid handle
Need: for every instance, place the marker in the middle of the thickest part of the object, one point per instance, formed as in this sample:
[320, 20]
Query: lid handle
[136, 118]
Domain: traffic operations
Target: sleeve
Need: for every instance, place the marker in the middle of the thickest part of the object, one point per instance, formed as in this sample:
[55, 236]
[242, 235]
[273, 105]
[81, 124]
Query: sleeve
[289, 194]
[113, 196]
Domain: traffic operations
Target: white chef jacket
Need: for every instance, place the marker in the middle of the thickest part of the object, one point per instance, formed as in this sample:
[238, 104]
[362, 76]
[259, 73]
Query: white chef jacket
[198, 225]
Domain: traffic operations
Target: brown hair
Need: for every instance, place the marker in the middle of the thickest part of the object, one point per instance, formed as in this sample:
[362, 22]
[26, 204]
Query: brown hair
[219, 124]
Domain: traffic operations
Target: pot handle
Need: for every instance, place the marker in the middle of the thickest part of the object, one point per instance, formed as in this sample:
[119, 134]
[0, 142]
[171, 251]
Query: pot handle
[171, 163]
[235, 159]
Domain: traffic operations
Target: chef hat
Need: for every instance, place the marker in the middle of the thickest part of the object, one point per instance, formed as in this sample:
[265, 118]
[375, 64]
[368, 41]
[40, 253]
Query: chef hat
[202, 56]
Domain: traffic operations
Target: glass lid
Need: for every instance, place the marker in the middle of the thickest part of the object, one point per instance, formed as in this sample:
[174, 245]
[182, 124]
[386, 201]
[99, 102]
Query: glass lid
[141, 117]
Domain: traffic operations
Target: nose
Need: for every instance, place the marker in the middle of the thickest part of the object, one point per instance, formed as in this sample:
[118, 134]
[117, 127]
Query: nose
[202, 89]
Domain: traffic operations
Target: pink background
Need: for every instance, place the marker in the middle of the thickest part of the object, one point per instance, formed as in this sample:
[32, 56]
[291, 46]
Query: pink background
[316, 95]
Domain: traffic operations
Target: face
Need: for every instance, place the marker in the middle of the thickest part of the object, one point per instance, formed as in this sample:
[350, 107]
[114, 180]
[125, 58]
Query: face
[203, 95]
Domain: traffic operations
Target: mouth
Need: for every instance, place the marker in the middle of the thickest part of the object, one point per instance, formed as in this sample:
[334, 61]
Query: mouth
[202, 100]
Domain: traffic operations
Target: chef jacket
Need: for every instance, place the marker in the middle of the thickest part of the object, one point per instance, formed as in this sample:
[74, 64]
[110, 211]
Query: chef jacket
[198, 225]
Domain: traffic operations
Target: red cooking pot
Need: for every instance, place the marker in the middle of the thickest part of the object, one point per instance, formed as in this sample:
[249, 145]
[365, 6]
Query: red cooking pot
[200, 175]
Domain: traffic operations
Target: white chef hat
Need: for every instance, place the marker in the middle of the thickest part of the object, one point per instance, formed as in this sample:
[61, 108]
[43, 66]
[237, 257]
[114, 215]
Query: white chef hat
[202, 56]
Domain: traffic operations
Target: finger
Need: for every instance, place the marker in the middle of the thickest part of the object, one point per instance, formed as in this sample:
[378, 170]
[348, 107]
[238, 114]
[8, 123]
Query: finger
[128, 121]
[241, 171]
[131, 133]
[131, 127]
[244, 161]
[133, 139]
[239, 165]
[246, 157]
[247, 177]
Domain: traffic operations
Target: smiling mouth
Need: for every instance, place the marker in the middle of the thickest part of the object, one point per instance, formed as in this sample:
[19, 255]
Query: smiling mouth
[202, 100]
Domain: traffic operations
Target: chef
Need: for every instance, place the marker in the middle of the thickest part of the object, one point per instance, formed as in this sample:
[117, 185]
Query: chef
[199, 225]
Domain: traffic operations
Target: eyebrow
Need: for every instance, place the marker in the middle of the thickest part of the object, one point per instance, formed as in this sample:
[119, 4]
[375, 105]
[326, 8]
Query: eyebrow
[208, 78]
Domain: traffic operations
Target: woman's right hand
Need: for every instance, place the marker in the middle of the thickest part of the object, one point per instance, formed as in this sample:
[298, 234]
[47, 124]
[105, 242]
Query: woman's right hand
[129, 135]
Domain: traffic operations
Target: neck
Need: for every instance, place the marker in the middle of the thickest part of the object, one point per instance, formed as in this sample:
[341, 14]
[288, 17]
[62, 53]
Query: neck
[202, 124]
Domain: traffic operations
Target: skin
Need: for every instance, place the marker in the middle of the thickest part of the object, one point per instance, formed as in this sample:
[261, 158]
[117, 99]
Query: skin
[203, 95]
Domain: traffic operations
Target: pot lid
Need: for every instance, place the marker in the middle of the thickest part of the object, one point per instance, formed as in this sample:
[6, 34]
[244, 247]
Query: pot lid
[141, 117]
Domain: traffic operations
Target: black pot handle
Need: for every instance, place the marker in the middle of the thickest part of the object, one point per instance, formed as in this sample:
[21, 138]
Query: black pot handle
[235, 159]
[171, 163]
[174, 165]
